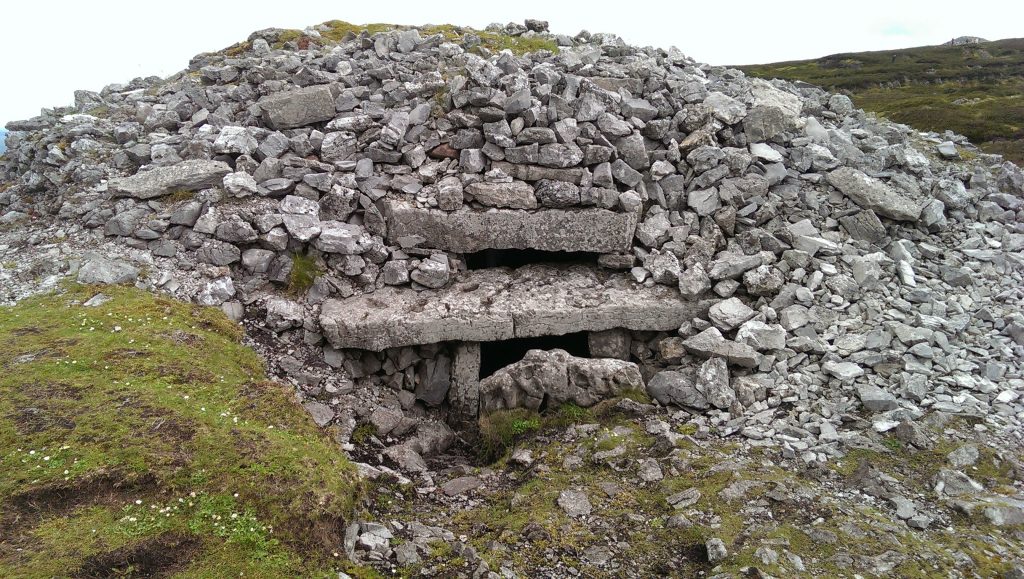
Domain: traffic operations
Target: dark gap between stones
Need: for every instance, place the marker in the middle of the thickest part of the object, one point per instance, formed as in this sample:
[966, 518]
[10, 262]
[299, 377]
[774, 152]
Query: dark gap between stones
[519, 257]
[496, 355]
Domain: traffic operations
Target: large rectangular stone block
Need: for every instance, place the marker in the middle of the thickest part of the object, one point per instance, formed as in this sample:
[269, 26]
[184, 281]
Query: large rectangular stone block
[469, 230]
[492, 305]
[298, 108]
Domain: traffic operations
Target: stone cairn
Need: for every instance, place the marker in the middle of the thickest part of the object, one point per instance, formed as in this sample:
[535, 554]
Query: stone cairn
[763, 252]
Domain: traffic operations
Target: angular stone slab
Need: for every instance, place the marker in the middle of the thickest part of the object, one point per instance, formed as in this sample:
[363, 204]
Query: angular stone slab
[870, 193]
[538, 173]
[192, 175]
[298, 108]
[492, 305]
[469, 231]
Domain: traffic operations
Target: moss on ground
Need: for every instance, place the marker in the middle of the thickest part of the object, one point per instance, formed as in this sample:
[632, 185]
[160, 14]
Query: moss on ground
[737, 504]
[975, 90]
[335, 31]
[142, 428]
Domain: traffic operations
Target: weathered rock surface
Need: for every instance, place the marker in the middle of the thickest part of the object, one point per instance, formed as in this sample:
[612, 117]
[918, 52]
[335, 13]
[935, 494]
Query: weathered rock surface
[185, 176]
[559, 378]
[488, 305]
[870, 193]
[468, 231]
[97, 269]
[298, 108]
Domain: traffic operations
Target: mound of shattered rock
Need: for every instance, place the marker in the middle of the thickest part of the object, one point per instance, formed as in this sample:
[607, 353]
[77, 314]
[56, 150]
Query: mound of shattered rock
[731, 327]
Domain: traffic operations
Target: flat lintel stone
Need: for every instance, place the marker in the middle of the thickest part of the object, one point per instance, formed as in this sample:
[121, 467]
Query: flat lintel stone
[469, 230]
[500, 304]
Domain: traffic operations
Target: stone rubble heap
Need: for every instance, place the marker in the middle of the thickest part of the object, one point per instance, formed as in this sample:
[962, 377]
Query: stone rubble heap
[853, 275]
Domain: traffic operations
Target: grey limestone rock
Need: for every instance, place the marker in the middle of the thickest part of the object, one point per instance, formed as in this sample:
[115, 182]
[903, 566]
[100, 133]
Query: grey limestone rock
[432, 273]
[218, 253]
[732, 265]
[590, 229]
[552, 193]
[875, 399]
[514, 195]
[216, 292]
[716, 550]
[558, 377]
[533, 301]
[713, 383]
[870, 193]
[235, 140]
[694, 282]
[575, 503]
[191, 175]
[710, 343]
[97, 269]
[283, 314]
[727, 315]
[761, 336]
[671, 387]
[298, 108]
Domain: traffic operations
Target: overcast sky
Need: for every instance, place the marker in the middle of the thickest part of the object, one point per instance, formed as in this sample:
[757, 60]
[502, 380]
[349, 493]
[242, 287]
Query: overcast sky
[51, 48]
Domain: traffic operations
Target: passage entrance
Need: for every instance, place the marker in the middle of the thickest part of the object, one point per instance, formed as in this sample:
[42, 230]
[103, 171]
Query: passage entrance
[496, 355]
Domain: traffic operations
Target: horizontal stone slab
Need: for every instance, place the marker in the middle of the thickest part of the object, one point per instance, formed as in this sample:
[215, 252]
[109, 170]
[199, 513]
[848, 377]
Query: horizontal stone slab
[470, 230]
[500, 304]
[192, 175]
[538, 173]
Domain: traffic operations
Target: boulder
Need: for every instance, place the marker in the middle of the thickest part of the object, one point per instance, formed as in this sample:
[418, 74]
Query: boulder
[298, 108]
[559, 378]
[676, 388]
[870, 193]
[97, 269]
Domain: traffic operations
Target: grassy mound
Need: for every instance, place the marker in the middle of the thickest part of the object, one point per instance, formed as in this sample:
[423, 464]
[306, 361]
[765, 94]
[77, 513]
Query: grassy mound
[975, 90]
[139, 437]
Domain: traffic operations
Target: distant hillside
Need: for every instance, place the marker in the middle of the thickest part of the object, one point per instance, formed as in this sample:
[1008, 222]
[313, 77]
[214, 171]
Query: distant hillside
[976, 90]
[3, 141]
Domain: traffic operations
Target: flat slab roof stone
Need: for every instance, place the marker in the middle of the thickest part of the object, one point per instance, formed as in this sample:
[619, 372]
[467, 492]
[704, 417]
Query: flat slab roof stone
[501, 304]
[470, 230]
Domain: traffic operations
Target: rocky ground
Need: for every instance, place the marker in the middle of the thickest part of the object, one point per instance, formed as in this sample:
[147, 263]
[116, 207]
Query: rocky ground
[849, 405]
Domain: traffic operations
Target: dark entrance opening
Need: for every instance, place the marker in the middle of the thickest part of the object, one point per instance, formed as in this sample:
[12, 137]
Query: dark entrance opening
[519, 257]
[496, 355]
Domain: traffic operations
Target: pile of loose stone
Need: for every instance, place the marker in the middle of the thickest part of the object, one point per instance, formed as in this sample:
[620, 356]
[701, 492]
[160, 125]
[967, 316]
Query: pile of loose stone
[860, 275]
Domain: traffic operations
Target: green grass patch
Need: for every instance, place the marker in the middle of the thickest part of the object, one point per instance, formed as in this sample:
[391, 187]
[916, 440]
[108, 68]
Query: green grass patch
[143, 426]
[305, 270]
[179, 196]
[500, 430]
